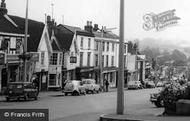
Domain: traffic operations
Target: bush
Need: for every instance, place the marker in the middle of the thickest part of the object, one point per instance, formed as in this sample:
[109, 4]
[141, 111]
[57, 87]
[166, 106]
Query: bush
[170, 94]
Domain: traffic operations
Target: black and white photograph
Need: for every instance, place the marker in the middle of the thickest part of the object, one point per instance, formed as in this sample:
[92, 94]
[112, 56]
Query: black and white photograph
[94, 60]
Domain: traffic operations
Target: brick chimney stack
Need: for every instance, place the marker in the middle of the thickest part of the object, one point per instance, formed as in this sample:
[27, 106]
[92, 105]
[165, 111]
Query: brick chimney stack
[3, 9]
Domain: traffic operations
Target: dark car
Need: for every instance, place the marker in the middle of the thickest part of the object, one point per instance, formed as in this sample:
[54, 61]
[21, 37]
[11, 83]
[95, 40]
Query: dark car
[156, 98]
[18, 90]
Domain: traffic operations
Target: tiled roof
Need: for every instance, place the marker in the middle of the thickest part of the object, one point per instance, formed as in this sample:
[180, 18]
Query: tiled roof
[7, 27]
[64, 37]
[35, 30]
[78, 31]
[106, 35]
[85, 33]
[72, 28]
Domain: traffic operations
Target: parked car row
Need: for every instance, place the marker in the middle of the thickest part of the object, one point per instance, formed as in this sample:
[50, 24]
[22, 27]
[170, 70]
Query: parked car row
[77, 87]
[147, 84]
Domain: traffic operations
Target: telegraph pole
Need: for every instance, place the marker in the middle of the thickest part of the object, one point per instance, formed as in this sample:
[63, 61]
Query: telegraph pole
[120, 88]
[25, 43]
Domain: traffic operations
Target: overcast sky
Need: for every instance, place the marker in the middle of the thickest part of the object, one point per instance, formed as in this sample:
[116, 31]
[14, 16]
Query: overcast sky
[106, 12]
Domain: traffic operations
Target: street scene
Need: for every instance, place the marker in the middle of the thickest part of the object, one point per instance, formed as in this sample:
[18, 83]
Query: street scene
[98, 60]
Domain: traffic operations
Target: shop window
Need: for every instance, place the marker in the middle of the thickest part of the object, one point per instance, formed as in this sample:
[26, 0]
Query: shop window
[52, 80]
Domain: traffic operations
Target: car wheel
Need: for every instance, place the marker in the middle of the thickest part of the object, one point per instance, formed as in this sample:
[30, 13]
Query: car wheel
[7, 99]
[75, 93]
[159, 103]
[97, 91]
[66, 94]
[36, 97]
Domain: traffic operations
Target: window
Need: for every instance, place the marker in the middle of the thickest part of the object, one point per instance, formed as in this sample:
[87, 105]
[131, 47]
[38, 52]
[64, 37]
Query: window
[107, 46]
[42, 58]
[88, 59]
[52, 80]
[96, 60]
[18, 45]
[112, 60]
[103, 46]
[13, 43]
[53, 59]
[60, 58]
[125, 48]
[81, 58]
[107, 58]
[113, 47]
[82, 42]
[96, 45]
[102, 60]
[89, 43]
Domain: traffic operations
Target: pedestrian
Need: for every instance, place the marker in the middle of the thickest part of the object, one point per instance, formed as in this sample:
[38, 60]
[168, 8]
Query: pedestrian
[107, 85]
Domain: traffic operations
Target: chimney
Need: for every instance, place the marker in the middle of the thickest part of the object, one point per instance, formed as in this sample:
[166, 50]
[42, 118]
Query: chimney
[48, 18]
[88, 27]
[95, 27]
[3, 9]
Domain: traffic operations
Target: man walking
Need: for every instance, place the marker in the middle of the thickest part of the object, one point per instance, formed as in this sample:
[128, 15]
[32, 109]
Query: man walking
[107, 85]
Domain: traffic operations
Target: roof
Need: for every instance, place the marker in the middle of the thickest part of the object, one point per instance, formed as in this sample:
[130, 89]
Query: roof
[106, 35]
[7, 27]
[78, 30]
[85, 33]
[64, 37]
[71, 28]
[35, 30]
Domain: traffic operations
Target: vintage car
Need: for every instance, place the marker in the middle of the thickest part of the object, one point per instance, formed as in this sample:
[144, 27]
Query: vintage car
[91, 86]
[18, 90]
[74, 87]
[156, 98]
[150, 84]
[134, 85]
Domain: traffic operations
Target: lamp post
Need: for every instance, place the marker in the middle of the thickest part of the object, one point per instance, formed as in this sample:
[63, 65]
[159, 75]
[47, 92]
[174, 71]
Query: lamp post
[25, 43]
[120, 87]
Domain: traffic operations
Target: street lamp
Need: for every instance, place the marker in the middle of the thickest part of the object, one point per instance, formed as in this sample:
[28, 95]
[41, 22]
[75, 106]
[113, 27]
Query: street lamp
[25, 43]
[120, 87]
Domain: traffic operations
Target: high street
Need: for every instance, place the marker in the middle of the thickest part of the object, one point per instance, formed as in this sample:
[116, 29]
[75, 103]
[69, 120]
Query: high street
[89, 107]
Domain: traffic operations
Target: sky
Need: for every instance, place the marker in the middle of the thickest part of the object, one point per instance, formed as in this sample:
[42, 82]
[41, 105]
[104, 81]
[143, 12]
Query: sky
[106, 13]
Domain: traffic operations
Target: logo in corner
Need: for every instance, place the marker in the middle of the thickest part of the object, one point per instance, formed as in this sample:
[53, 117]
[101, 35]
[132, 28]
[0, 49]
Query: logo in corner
[160, 21]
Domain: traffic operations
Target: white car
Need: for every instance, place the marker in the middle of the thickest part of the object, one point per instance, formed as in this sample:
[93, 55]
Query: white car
[90, 86]
[134, 85]
[74, 87]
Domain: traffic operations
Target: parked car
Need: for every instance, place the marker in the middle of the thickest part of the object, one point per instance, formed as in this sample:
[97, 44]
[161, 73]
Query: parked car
[150, 84]
[91, 86]
[134, 85]
[18, 90]
[159, 84]
[74, 87]
[156, 98]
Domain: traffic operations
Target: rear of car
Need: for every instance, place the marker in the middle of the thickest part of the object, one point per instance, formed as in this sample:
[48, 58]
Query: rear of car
[91, 86]
[74, 87]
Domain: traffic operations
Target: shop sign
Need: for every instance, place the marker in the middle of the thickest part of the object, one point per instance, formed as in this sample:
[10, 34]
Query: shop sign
[160, 21]
[34, 56]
